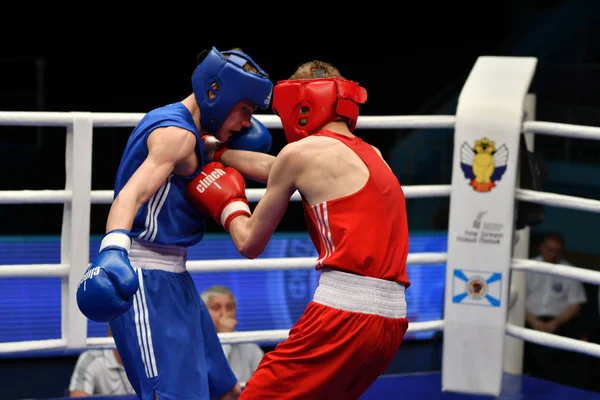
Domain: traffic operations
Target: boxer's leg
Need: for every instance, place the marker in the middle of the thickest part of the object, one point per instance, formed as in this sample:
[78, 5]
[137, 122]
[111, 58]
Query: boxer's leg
[325, 354]
[165, 343]
[130, 332]
[373, 352]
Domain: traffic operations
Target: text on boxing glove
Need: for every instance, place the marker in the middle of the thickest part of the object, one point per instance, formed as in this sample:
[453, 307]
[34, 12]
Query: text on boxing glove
[88, 275]
[209, 179]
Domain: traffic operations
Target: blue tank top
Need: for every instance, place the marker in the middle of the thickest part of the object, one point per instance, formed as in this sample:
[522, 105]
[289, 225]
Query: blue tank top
[167, 218]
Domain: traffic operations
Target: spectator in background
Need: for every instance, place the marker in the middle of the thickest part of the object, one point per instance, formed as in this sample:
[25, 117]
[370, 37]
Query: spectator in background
[99, 372]
[222, 306]
[552, 305]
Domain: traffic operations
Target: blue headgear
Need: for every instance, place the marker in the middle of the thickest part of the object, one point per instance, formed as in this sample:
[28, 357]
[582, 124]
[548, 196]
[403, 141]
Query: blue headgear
[234, 83]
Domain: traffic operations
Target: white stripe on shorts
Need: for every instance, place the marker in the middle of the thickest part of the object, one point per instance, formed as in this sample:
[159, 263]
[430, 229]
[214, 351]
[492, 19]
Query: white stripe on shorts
[142, 328]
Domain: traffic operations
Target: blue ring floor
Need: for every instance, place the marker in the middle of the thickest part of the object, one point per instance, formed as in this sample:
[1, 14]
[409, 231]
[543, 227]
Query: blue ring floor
[428, 386]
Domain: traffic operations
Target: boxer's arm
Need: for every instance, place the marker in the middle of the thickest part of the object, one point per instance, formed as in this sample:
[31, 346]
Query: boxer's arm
[167, 147]
[246, 151]
[251, 234]
[252, 165]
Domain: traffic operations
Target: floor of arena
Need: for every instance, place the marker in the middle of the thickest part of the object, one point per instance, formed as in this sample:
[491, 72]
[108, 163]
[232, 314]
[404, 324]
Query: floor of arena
[429, 386]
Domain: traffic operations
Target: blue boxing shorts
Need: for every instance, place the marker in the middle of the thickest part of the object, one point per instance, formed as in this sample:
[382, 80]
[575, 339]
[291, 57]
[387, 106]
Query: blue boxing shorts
[167, 340]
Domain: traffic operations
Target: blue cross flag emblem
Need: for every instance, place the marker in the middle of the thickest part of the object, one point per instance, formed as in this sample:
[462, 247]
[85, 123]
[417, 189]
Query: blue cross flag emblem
[478, 288]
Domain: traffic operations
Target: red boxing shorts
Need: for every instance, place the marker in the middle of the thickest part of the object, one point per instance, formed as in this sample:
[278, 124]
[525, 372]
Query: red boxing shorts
[343, 342]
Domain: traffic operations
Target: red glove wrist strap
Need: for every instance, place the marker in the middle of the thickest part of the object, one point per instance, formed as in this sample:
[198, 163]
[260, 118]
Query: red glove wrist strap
[219, 152]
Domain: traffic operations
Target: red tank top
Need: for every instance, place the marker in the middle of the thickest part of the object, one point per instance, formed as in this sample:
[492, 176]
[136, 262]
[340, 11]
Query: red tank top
[364, 233]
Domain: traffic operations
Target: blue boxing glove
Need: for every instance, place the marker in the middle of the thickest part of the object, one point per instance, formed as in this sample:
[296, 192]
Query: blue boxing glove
[255, 138]
[106, 290]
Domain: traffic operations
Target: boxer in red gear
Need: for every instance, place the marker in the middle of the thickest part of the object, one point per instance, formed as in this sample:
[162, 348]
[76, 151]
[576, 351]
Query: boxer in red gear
[355, 213]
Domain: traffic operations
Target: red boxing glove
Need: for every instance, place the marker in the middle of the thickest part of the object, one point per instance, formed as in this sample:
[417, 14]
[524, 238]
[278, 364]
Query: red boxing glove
[214, 148]
[219, 192]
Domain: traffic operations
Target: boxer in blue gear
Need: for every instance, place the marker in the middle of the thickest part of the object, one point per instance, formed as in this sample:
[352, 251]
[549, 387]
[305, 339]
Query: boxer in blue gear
[138, 282]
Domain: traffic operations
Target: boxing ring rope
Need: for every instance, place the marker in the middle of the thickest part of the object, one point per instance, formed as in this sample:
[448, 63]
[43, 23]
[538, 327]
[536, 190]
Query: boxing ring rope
[124, 120]
[106, 196]
[78, 196]
[410, 192]
[552, 340]
[202, 266]
[570, 272]
[275, 335]
[560, 129]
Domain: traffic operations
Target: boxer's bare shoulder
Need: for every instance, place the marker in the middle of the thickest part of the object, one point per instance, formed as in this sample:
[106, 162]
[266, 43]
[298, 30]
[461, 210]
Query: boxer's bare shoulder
[305, 158]
[322, 168]
[317, 150]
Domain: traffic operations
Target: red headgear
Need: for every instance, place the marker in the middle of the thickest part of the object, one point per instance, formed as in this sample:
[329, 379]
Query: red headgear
[326, 99]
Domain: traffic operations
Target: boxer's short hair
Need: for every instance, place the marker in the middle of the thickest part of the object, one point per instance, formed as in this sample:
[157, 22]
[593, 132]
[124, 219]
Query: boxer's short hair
[315, 69]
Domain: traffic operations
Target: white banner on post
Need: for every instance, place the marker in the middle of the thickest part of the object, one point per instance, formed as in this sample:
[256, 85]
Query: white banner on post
[486, 145]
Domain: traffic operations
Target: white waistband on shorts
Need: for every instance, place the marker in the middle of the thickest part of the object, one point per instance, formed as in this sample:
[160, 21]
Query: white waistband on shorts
[150, 255]
[361, 294]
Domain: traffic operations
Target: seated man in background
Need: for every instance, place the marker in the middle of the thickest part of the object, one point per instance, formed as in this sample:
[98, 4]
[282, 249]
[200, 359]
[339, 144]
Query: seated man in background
[222, 306]
[552, 305]
[99, 372]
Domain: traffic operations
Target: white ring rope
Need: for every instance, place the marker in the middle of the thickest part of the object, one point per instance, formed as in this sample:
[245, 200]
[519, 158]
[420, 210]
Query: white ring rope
[565, 271]
[116, 120]
[403, 122]
[106, 196]
[542, 338]
[275, 335]
[552, 340]
[289, 263]
[34, 270]
[558, 200]
[254, 195]
[206, 266]
[265, 264]
[27, 118]
[565, 130]
[33, 345]
[35, 196]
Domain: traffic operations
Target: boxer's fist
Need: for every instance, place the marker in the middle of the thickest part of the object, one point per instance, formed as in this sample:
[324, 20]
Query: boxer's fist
[255, 138]
[106, 290]
[219, 192]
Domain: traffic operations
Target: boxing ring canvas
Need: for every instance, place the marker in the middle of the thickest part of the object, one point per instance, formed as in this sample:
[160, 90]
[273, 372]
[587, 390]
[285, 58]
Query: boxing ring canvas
[499, 114]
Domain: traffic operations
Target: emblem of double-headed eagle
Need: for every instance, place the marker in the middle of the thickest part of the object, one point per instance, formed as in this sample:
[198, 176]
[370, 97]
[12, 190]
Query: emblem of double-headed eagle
[483, 164]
